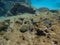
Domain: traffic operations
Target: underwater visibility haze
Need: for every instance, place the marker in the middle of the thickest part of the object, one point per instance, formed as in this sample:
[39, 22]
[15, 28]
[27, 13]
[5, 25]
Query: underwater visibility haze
[29, 22]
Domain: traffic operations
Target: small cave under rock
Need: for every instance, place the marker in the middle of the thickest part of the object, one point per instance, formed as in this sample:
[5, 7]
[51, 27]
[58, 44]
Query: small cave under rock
[55, 42]
[40, 33]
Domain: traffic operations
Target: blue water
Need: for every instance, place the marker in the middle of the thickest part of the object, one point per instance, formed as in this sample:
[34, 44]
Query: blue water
[51, 4]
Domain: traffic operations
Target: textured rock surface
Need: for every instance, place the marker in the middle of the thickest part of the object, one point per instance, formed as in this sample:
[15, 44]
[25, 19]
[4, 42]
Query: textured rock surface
[28, 29]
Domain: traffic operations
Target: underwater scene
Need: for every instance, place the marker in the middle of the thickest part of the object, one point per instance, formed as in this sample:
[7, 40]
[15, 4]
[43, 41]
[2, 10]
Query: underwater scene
[29, 22]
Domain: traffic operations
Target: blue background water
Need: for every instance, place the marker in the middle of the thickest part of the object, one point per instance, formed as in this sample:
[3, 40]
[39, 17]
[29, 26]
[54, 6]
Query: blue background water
[51, 4]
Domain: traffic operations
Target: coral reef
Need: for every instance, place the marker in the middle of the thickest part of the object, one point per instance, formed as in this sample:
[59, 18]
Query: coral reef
[27, 30]
[30, 28]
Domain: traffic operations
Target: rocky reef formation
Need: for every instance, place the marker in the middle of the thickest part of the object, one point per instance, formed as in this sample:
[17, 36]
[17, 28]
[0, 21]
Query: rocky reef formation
[20, 8]
[28, 26]
[6, 5]
[31, 29]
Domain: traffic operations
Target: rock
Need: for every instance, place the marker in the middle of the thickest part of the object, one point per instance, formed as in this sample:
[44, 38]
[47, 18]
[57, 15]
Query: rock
[55, 42]
[22, 19]
[48, 36]
[6, 5]
[3, 27]
[20, 8]
[19, 22]
[43, 9]
[48, 22]
[54, 11]
[46, 31]
[36, 19]
[24, 28]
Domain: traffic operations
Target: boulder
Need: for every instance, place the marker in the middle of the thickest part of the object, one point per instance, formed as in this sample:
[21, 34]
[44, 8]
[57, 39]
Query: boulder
[6, 5]
[21, 8]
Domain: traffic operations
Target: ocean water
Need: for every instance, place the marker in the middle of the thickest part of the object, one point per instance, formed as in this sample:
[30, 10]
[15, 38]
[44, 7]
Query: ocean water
[51, 4]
